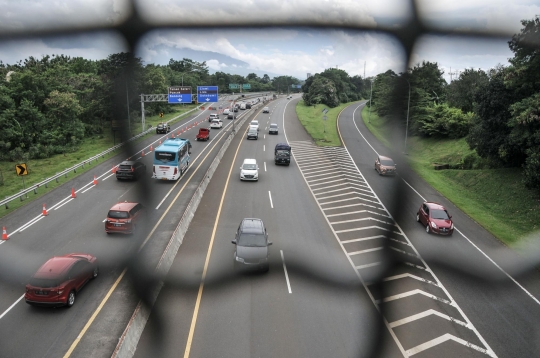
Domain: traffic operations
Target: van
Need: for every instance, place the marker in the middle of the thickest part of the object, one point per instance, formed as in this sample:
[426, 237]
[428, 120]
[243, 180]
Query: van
[249, 170]
[282, 154]
[253, 133]
[226, 111]
[243, 106]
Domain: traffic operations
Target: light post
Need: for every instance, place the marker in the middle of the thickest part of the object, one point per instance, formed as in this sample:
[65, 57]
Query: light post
[370, 95]
[407, 126]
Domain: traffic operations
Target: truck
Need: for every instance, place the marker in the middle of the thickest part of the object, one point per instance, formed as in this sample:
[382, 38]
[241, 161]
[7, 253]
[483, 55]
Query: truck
[204, 134]
[282, 154]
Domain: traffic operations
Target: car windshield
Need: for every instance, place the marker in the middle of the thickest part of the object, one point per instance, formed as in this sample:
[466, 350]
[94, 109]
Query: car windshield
[165, 156]
[387, 162]
[282, 153]
[250, 166]
[252, 240]
[273, 125]
[254, 123]
[125, 167]
[115, 214]
[44, 282]
[439, 214]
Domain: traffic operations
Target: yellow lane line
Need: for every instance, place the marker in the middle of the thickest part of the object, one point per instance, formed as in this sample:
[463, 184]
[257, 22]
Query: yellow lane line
[201, 286]
[100, 307]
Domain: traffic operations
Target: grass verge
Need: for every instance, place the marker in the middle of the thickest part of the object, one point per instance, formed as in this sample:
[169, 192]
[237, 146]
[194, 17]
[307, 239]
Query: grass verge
[495, 198]
[40, 169]
[324, 134]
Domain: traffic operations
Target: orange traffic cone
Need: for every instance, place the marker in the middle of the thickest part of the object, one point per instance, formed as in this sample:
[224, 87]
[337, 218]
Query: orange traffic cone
[73, 195]
[114, 169]
[4, 233]
[173, 135]
[151, 147]
[142, 153]
[195, 122]
[95, 180]
[160, 141]
[44, 212]
[178, 133]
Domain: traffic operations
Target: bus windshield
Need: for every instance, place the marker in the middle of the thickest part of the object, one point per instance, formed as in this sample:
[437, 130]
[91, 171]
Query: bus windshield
[165, 156]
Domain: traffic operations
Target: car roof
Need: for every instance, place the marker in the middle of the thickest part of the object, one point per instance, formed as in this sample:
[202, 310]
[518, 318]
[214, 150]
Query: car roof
[127, 162]
[433, 205]
[250, 161]
[382, 157]
[252, 226]
[124, 206]
[56, 266]
[273, 124]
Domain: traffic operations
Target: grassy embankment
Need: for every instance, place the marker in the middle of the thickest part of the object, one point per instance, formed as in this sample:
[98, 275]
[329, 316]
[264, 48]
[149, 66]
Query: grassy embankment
[495, 198]
[311, 119]
[40, 169]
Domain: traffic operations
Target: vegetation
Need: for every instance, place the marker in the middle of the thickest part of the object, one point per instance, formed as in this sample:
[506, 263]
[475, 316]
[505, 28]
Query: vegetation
[332, 87]
[324, 133]
[496, 111]
[49, 106]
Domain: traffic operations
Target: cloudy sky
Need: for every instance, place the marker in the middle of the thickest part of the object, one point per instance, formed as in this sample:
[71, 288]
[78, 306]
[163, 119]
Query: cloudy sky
[278, 51]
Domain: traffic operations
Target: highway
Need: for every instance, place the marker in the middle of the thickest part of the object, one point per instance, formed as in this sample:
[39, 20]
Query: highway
[77, 225]
[310, 303]
[332, 217]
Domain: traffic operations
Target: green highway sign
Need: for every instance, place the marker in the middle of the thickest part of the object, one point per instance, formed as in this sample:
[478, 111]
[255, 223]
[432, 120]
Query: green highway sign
[234, 86]
[246, 86]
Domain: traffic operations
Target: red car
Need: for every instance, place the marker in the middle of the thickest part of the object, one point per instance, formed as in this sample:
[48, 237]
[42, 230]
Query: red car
[123, 217]
[58, 280]
[435, 218]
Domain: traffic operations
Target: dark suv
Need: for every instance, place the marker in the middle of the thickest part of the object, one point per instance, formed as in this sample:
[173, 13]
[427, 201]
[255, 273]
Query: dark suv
[163, 128]
[130, 170]
[251, 245]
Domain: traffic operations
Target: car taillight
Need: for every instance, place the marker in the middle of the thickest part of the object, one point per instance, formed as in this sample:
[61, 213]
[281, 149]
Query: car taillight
[132, 169]
[175, 171]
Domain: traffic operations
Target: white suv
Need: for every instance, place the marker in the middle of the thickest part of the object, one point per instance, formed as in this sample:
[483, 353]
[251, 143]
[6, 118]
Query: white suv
[213, 116]
[254, 124]
[216, 123]
[249, 170]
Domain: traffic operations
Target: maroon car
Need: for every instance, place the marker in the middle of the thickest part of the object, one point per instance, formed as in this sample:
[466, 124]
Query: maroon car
[385, 166]
[435, 218]
[57, 281]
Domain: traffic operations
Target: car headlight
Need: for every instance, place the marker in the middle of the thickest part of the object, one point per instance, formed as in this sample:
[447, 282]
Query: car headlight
[452, 226]
[129, 221]
[433, 225]
[239, 259]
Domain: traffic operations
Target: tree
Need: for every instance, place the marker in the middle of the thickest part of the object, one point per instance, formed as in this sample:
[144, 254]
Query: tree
[321, 90]
[462, 91]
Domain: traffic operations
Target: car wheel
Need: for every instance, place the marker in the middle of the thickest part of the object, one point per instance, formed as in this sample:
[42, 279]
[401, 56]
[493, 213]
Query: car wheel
[266, 268]
[417, 217]
[71, 299]
[428, 230]
[95, 272]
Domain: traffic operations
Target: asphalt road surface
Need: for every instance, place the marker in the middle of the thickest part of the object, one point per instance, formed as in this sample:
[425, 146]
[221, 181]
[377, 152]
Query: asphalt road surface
[77, 225]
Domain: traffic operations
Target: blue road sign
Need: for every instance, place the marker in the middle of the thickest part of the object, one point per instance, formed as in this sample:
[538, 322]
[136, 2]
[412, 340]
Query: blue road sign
[179, 98]
[206, 94]
[179, 94]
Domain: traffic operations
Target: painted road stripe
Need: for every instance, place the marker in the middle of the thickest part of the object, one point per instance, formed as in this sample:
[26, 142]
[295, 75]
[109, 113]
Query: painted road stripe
[368, 265]
[444, 338]
[364, 239]
[415, 292]
[59, 206]
[357, 212]
[285, 270]
[10, 307]
[30, 224]
[409, 275]
[424, 314]
[365, 251]
[362, 219]
[270, 196]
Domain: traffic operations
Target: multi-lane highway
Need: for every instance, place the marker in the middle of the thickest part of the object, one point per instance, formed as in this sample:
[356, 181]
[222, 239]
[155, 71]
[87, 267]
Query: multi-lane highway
[337, 229]
[332, 219]
[77, 225]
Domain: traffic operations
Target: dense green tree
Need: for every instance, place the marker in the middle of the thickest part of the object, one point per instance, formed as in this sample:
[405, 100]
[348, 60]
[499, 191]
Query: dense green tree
[462, 91]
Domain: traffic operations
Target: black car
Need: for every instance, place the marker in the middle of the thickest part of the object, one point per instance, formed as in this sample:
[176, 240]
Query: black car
[231, 116]
[129, 169]
[248, 105]
[251, 245]
[236, 108]
[282, 154]
[163, 128]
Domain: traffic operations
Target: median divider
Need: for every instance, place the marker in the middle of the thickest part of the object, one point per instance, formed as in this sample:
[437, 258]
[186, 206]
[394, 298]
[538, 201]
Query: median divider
[127, 343]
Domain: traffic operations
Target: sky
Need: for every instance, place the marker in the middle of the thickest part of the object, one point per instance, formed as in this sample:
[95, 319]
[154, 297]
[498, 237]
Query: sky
[280, 50]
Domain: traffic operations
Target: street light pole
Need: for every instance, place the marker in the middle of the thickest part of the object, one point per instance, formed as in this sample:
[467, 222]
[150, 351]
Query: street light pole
[370, 95]
[407, 126]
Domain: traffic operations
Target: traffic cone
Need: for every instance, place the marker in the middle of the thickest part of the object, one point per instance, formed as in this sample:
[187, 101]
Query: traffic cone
[4, 233]
[95, 181]
[151, 148]
[142, 153]
[160, 141]
[114, 169]
[73, 195]
[44, 212]
[178, 133]
[173, 135]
